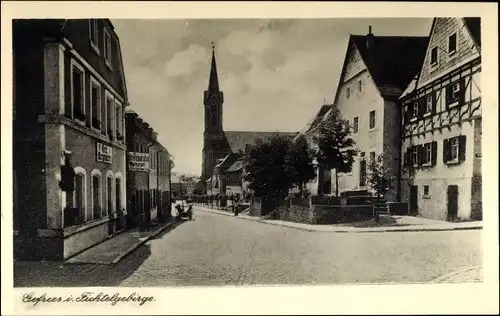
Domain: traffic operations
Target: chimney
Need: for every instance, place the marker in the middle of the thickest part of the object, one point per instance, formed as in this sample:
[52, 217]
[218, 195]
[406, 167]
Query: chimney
[369, 38]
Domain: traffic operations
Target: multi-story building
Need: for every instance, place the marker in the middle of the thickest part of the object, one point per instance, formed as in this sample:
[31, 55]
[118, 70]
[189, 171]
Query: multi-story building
[69, 101]
[148, 173]
[376, 71]
[441, 125]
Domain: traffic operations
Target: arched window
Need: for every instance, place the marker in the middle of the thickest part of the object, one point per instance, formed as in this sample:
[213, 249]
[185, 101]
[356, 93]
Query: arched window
[96, 183]
[119, 196]
[109, 193]
[77, 199]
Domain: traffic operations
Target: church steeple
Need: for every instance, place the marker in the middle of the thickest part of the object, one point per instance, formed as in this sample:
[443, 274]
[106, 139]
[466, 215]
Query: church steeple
[213, 81]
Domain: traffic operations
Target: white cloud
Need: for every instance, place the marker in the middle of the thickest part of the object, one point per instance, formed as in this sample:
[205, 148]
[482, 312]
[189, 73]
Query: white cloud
[187, 61]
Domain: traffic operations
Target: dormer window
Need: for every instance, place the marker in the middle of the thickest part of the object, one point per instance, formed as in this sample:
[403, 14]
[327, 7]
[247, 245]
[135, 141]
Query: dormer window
[107, 48]
[94, 35]
[434, 56]
[452, 44]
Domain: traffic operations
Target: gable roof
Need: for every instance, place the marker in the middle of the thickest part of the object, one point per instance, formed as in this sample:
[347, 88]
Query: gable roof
[315, 121]
[393, 61]
[238, 140]
[236, 166]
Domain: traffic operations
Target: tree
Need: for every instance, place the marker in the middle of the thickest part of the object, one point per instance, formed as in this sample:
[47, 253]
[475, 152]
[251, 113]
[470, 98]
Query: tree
[335, 146]
[267, 167]
[378, 179]
[302, 162]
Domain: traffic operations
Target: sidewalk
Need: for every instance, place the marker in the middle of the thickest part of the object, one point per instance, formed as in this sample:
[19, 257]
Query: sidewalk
[115, 248]
[403, 224]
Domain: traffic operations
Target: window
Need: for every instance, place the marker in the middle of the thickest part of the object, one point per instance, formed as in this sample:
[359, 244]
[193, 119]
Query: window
[78, 91]
[372, 119]
[427, 157]
[110, 115]
[95, 103]
[109, 208]
[118, 190]
[360, 85]
[348, 93]
[94, 34]
[372, 156]
[214, 121]
[429, 101]
[454, 93]
[452, 44]
[79, 197]
[415, 108]
[414, 155]
[454, 149]
[119, 121]
[355, 124]
[434, 56]
[96, 196]
[107, 48]
[426, 191]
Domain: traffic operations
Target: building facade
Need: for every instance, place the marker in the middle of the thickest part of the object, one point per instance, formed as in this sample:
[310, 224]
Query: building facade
[441, 125]
[69, 101]
[376, 71]
[148, 174]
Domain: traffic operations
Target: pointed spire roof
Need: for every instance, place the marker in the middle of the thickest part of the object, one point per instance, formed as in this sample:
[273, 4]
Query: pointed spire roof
[213, 82]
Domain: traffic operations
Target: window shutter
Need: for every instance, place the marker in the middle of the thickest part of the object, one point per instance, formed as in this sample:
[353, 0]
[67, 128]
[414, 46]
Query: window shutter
[461, 100]
[420, 154]
[446, 150]
[405, 158]
[461, 147]
[434, 153]
[433, 95]
[421, 106]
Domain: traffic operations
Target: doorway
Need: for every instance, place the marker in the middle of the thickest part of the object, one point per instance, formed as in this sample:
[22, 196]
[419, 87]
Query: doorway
[452, 203]
[413, 200]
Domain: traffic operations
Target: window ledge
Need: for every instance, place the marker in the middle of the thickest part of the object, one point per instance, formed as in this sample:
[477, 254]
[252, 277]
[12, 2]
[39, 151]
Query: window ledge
[453, 162]
[61, 119]
[426, 114]
[427, 197]
[434, 66]
[452, 54]
[414, 119]
[453, 104]
[428, 164]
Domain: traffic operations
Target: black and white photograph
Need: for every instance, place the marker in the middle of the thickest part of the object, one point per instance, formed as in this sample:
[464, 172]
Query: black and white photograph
[211, 152]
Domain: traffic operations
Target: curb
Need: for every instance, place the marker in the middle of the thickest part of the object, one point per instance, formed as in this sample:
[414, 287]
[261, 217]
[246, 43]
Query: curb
[140, 243]
[443, 277]
[398, 230]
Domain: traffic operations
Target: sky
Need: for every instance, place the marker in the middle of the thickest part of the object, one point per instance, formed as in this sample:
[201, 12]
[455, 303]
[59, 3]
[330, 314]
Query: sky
[275, 74]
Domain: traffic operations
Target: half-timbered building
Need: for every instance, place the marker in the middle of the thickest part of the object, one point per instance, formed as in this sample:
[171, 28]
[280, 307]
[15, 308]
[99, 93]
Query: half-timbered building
[376, 71]
[441, 125]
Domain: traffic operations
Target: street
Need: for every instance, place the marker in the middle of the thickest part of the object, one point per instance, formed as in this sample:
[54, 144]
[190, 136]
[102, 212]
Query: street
[223, 250]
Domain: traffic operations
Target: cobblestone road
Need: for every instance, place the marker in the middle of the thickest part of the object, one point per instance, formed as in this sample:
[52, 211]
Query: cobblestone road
[219, 250]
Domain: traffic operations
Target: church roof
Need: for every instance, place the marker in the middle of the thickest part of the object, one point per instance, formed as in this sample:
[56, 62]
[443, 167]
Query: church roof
[393, 61]
[213, 81]
[239, 139]
[236, 166]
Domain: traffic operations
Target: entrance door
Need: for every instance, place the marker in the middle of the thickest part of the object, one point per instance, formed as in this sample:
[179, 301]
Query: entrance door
[414, 200]
[452, 202]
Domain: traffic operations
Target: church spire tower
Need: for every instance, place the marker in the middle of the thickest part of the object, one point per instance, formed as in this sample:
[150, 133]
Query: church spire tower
[213, 135]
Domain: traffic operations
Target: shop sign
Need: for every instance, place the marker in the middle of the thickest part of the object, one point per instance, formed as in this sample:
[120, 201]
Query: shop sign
[104, 153]
[138, 161]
